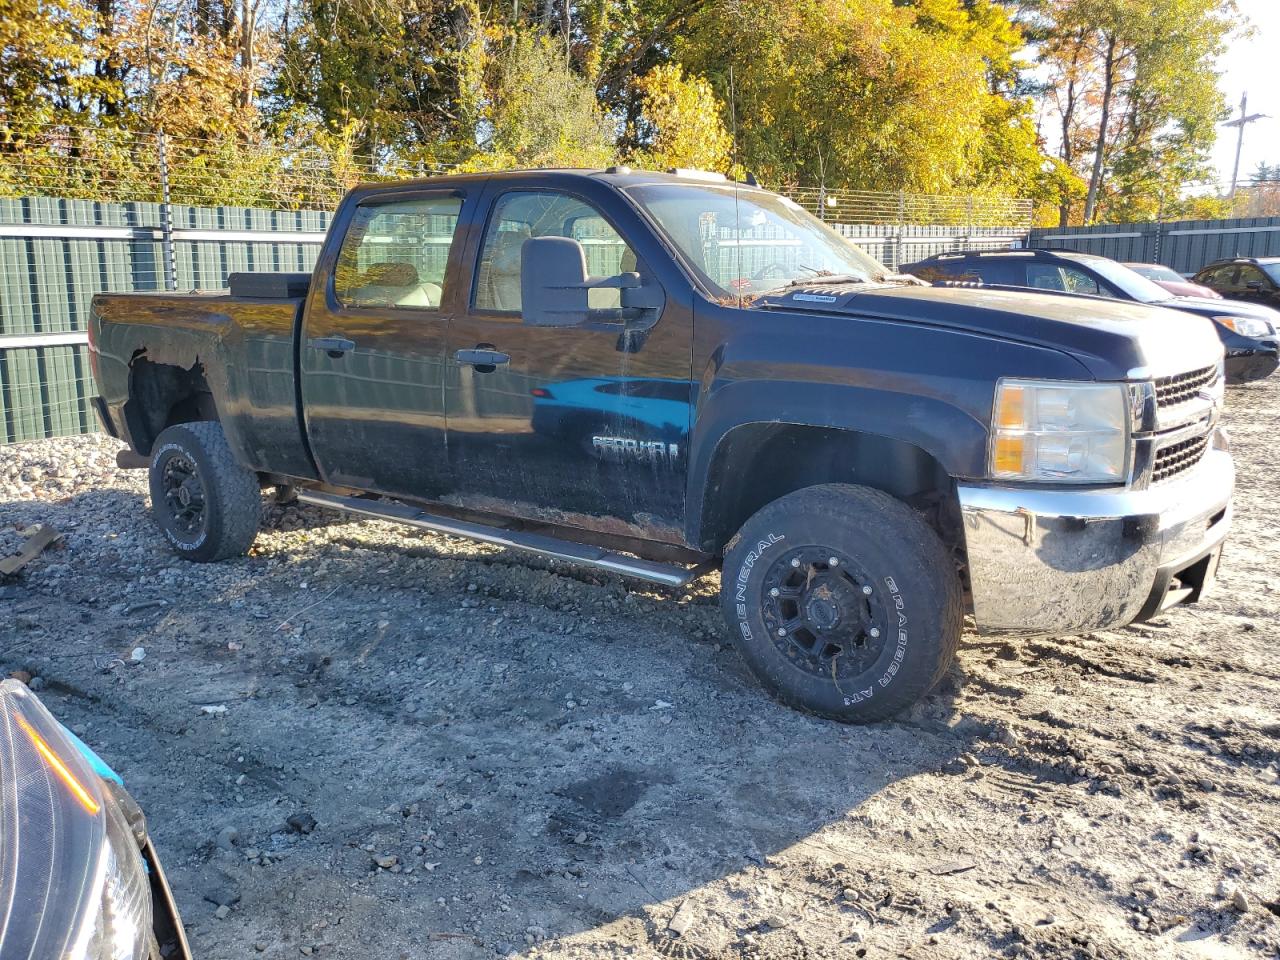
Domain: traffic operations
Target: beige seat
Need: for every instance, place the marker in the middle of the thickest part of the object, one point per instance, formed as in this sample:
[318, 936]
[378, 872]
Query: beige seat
[396, 284]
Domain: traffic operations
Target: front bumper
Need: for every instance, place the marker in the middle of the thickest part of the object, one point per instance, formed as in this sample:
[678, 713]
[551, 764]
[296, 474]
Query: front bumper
[1046, 562]
[1253, 362]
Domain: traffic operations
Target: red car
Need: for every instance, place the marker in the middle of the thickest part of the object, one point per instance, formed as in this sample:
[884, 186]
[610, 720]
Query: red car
[1173, 281]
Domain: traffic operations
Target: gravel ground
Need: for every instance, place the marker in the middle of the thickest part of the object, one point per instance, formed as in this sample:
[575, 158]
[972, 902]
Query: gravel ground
[503, 757]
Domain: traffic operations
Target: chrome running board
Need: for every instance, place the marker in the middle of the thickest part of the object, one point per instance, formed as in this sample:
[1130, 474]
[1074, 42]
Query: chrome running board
[670, 575]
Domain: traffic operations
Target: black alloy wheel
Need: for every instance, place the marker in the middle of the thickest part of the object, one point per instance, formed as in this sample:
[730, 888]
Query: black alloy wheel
[823, 613]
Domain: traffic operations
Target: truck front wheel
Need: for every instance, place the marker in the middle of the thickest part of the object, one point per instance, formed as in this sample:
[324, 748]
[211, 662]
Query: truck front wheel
[208, 505]
[843, 602]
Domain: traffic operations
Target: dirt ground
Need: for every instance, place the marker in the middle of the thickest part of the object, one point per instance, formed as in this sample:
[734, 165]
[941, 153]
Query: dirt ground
[527, 759]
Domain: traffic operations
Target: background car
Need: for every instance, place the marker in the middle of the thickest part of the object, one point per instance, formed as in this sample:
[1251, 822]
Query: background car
[1251, 279]
[1248, 331]
[1173, 281]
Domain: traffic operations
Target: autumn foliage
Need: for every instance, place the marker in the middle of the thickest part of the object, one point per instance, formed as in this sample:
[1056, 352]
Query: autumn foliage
[286, 101]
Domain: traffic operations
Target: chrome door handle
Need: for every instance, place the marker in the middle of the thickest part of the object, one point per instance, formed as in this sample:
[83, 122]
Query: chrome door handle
[481, 357]
[334, 346]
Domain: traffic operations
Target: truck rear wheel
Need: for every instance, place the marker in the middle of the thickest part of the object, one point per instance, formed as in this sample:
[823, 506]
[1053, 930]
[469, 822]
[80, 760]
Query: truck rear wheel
[843, 602]
[207, 505]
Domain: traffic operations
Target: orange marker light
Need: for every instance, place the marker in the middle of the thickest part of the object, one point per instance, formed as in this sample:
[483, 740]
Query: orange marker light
[60, 768]
[1012, 409]
[1009, 455]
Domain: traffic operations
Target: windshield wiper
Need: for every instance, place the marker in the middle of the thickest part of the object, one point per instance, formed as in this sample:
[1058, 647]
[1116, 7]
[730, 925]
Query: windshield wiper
[824, 278]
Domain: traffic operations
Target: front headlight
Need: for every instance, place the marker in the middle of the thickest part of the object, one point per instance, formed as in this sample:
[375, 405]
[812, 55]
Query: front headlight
[1060, 432]
[1246, 326]
[72, 881]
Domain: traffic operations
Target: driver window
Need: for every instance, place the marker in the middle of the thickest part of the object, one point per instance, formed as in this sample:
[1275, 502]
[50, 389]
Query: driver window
[519, 215]
[1077, 281]
[395, 254]
[1249, 274]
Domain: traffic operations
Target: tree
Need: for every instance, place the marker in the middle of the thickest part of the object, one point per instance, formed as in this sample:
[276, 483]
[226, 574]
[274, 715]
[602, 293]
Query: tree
[47, 55]
[1136, 95]
[542, 114]
[681, 123]
[867, 94]
[406, 73]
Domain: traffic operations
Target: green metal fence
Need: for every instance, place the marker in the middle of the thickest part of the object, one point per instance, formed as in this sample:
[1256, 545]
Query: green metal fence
[55, 254]
[1184, 245]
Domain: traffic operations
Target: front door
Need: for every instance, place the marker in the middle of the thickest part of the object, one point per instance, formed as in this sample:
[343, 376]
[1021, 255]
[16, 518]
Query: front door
[1254, 285]
[565, 425]
[373, 347]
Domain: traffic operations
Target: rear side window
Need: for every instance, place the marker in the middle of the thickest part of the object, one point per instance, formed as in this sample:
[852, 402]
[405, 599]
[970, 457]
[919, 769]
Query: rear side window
[944, 270]
[396, 254]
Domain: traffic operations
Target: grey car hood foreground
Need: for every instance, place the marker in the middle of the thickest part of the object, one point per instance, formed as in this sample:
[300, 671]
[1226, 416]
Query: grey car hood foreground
[1113, 339]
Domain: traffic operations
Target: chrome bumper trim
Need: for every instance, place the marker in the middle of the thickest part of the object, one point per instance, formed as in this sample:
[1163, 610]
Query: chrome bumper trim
[1071, 561]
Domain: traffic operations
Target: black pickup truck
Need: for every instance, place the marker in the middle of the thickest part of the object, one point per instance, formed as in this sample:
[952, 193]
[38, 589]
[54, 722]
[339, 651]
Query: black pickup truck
[658, 374]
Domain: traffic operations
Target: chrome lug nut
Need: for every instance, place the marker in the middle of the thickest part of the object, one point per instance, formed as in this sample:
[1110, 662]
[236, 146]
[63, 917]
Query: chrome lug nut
[781, 632]
[833, 561]
[775, 592]
[874, 632]
[795, 561]
[867, 589]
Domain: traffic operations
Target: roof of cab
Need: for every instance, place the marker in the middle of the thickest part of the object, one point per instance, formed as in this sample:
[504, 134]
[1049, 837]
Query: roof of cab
[618, 176]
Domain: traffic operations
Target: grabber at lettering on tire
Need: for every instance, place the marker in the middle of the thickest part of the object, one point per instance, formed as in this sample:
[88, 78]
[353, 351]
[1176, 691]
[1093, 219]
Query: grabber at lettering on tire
[843, 601]
[207, 505]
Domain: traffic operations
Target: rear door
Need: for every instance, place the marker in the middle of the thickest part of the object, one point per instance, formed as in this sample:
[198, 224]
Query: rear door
[373, 342]
[560, 424]
[1224, 280]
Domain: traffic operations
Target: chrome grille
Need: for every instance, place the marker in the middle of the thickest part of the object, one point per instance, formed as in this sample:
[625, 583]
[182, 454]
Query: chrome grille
[1178, 457]
[1171, 391]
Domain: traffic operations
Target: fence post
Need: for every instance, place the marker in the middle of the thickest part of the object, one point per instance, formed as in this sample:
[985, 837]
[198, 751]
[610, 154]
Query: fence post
[166, 218]
[897, 240]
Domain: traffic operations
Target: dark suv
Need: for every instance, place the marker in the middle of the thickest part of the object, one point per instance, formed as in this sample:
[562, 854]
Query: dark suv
[1248, 331]
[1252, 279]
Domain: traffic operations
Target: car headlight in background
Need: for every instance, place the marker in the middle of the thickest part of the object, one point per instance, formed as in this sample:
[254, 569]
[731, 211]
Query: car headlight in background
[1246, 326]
[72, 880]
[1060, 432]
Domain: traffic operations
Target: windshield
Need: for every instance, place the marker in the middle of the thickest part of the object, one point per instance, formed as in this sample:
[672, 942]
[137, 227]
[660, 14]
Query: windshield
[1156, 272]
[752, 243]
[1129, 281]
[1272, 270]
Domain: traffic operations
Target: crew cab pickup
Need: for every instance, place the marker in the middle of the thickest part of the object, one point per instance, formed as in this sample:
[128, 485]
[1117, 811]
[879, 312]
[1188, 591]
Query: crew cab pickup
[659, 374]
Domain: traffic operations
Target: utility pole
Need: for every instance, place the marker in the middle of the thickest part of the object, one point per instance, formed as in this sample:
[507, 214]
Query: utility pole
[1241, 122]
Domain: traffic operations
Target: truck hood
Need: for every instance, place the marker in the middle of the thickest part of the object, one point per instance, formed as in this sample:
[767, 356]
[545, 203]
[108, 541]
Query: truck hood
[1115, 340]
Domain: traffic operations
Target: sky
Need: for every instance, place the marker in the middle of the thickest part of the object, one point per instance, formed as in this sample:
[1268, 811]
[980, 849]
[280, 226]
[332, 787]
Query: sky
[1250, 66]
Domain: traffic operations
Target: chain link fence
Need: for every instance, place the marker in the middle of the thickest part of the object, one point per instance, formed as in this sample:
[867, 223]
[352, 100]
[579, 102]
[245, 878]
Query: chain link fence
[114, 211]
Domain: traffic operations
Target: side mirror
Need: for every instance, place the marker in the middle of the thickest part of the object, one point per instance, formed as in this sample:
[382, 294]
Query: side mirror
[1254, 285]
[555, 290]
[553, 282]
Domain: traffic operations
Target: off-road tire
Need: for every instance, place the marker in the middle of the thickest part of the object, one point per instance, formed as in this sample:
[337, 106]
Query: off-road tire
[232, 496]
[914, 591]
